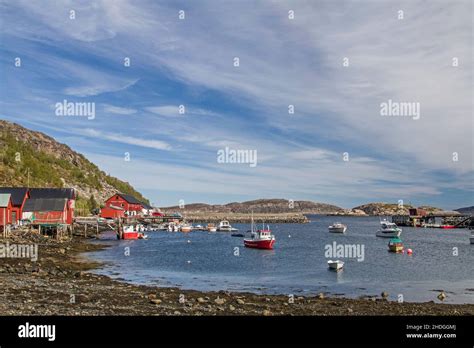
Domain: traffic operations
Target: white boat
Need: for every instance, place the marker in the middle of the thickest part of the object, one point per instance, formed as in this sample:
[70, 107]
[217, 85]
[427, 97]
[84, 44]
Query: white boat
[211, 228]
[225, 226]
[337, 227]
[186, 228]
[388, 230]
[335, 265]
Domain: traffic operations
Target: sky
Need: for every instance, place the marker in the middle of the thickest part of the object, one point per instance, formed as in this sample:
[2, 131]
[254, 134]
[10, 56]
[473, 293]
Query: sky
[299, 84]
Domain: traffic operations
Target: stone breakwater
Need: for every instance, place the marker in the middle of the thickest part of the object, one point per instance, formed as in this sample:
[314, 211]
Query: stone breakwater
[206, 217]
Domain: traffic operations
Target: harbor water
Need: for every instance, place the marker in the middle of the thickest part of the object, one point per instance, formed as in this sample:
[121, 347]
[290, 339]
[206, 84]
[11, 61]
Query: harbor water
[441, 260]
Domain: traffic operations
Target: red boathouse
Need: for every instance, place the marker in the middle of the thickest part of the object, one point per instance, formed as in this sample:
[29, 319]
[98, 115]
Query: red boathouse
[19, 195]
[130, 205]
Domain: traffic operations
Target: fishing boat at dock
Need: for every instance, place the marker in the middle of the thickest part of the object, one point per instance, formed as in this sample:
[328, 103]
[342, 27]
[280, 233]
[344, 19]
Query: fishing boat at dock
[211, 227]
[132, 232]
[260, 239]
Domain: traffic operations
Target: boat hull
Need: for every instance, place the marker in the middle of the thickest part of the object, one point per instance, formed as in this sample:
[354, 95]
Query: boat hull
[388, 234]
[471, 239]
[337, 229]
[335, 266]
[130, 235]
[395, 248]
[259, 244]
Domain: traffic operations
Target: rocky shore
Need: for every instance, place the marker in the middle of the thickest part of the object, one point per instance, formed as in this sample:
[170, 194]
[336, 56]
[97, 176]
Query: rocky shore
[59, 283]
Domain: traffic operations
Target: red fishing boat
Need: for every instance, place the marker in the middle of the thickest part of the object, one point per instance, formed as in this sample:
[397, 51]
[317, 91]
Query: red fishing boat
[260, 239]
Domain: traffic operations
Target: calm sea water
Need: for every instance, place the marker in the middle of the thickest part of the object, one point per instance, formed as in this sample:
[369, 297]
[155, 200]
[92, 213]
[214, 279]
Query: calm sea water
[441, 259]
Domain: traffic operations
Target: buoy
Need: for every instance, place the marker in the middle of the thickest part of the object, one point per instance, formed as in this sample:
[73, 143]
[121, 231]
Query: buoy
[189, 261]
[409, 251]
[289, 236]
[189, 241]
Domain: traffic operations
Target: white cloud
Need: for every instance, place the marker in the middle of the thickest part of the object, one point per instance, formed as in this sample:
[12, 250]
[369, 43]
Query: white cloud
[126, 139]
[119, 110]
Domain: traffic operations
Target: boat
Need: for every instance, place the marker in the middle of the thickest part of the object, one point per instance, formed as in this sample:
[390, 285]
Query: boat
[260, 239]
[237, 235]
[446, 227]
[388, 230]
[186, 228]
[198, 228]
[224, 226]
[395, 245]
[134, 232]
[211, 228]
[335, 265]
[337, 227]
[471, 238]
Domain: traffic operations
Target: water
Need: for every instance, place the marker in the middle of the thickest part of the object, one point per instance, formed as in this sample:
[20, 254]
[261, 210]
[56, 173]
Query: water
[297, 265]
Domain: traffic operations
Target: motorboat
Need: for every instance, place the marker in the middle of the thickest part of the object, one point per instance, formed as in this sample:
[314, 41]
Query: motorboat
[471, 238]
[211, 228]
[260, 239]
[395, 245]
[388, 230]
[335, 265]
[337, 227]
[224, 226]
[186, 228]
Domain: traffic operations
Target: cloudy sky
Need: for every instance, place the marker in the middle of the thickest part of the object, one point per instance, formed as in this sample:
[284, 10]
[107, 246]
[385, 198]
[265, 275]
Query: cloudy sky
[335, 62]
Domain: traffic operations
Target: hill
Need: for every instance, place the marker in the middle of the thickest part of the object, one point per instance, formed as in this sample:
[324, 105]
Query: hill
[30, 157]
[260, 206]
[466, 210]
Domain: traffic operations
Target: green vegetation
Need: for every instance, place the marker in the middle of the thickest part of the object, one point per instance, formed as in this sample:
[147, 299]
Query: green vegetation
[21, 164]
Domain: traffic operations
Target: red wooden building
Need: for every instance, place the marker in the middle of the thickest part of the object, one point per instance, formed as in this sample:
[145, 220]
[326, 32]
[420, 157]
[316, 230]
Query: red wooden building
[112, 212]
[130, 205]
[5, 210]
[19, 195]
[67, 194]
[46, 211]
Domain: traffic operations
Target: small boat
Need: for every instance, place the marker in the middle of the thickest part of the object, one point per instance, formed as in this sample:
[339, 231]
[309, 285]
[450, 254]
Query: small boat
[129, 232]
[260, 239]
[337, 227]
[186, 228]
[211, 228]
[198, 228]
[237, 235]
[142, 235]
[224, 226]
[471, 238]
[388, 230]
[335, 265]
[395, 245]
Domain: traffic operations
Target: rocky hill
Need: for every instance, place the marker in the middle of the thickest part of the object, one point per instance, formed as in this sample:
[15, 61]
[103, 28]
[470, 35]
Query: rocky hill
[380, 208]
[34, 156]
[466, 210]
[260, 206]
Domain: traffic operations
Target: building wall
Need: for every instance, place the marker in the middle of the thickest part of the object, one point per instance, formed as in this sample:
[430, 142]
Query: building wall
[6, 215]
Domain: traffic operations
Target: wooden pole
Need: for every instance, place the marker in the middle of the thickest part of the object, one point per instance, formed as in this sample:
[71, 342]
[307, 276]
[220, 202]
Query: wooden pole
[97, 230]
[85, 231]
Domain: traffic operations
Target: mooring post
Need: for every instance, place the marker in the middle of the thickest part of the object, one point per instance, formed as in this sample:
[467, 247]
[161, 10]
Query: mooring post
[85, 230]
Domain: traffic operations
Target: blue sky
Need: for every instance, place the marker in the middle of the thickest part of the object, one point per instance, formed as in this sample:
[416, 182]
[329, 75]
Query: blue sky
[283, 62]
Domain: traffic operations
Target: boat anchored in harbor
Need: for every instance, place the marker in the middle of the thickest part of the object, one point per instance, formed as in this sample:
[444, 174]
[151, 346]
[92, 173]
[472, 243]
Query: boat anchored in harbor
[337, 227]
[224, 226]
[388, 230]
[395, 245]
[260, 239]
[335, 265]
